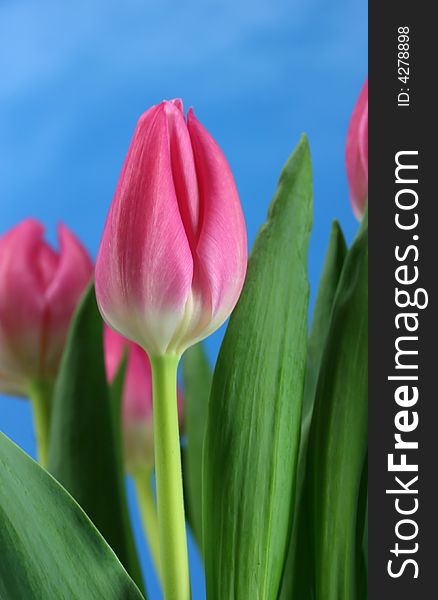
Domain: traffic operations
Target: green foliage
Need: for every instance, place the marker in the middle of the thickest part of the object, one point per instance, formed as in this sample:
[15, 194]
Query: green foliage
[335, 486]
[254, 419]
[84, 452]
[49, 547]
[297, 573]
[197, 383]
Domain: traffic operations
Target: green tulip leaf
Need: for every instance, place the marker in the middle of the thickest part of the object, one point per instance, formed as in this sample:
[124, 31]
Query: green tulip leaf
[297, 573]
[362, 535]
[49, 547]
[84, 450]
[116, 396]
[254, 419]
[331, 273]
[197, 383]
[335, 485]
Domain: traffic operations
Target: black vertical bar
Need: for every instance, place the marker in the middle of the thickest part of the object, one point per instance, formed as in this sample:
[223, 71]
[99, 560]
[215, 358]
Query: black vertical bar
[405, 123]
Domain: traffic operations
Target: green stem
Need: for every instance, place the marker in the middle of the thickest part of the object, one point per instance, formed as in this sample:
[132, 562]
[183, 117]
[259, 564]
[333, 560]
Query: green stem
[40, 393]
[148, 512]
[171, 521]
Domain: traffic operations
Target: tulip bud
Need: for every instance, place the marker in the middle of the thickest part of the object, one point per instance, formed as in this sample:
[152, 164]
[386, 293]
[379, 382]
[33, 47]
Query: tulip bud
[357, 154]
[39, 290]
[137, 422]
[172, 260]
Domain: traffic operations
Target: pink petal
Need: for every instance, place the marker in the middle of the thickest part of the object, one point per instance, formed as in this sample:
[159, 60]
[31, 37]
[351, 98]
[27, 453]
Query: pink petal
[144, 266]
[357, 153]
[221, 253]
[183, 172]
[47, 261]
[21, 302]
[114, 346]
[68, 282]
[363, 137]
[137, 392]
[178, 103]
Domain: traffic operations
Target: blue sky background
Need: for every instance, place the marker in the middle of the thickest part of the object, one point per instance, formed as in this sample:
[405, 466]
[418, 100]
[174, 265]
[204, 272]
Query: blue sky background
[75, 77]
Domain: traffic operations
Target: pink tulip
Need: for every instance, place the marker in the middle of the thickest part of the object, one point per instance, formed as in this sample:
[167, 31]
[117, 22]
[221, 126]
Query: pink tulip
[136, 400]
[172, 260]
[357, 154]
[39, 290]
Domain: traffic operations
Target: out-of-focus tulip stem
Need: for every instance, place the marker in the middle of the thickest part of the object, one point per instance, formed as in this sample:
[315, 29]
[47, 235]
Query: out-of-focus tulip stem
[40, 393]
[170, 501]
[148, 512]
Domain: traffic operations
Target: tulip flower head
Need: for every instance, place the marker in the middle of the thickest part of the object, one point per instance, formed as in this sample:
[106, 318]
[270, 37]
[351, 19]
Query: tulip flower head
[357, 154]
[137, 422]
[39, 290]
[172, 260]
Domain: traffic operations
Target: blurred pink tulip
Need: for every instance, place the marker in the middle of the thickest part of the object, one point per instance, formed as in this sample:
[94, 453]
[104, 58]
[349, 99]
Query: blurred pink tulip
[357, 154]
[39, 290]
[137, 399]
[173, 255]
